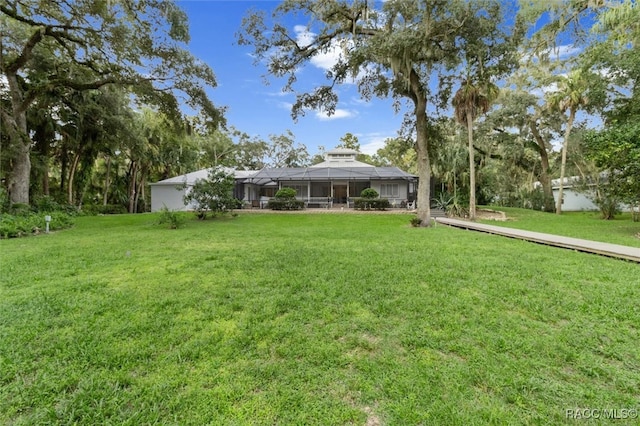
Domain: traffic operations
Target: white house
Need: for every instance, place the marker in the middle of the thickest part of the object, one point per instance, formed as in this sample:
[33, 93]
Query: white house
[335, 181]
[574, 198]
[170, 192]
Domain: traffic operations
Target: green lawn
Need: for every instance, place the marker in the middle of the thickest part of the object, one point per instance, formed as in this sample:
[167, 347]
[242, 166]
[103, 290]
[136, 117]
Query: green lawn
[310, 319]
[587, 225]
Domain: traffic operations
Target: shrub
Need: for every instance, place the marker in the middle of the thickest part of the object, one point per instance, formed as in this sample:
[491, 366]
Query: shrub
[285, 204]
[443, 201]
[19, 209]
[212, 195]
[12, 226]
[415, 221]
[286, 194]
[172, 218]
[4, 200]
[369, 193]
[94, 209]
[285, 200]
[371, 203]
[608, 205]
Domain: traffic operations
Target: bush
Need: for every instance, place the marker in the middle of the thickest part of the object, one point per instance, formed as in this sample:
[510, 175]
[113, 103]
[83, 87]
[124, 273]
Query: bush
[172, 218]
[19, 209]
[369, 193]
[443, 201]
[12, 226]
[371, 203]
[286, 194]
[415, 221]
[608, 205]
[4, 200]
[104, 209]
[213, 195]
[285, 204]
[285, 200]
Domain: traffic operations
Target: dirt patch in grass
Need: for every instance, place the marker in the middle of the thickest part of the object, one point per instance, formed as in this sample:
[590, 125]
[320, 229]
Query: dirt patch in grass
[488, 214]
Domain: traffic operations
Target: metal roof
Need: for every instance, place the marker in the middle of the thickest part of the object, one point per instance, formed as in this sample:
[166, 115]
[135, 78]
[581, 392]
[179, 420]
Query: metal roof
[329, 173]
[317, 173]
[190, 178]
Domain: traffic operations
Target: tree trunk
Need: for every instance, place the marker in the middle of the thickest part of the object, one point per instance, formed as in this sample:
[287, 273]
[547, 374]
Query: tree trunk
[423, 193]
[139, 188]
[45, 178]
[72, 174]
[472, 168]
[133, 176]
[545, 180]
[105, 196]
[424, 166]
[16, 126]
[563, 163]
[20, 175]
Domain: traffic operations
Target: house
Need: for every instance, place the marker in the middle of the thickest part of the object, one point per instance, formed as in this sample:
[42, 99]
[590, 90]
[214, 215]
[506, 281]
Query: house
[170, 192]
[574, 196]
[334, 182]
[578, 196]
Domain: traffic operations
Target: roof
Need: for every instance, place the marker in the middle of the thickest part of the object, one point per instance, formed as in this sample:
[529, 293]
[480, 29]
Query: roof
[315, 173]
[191, 178]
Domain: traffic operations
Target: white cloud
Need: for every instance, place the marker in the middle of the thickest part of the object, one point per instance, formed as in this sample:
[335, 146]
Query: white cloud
[285, 105]
[279, 94]
[337, 114]
[558, 53]
[564, 51]
[323, 60]
[371, 143]
[327, 59]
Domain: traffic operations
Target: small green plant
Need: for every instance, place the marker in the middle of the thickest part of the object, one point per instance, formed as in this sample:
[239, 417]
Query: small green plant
[371, 203]
[285, 199]
[171, 218]
[415, 221]
[212, 195]
[369, 193]
[442, 201]
[29, 223]
[286, 194]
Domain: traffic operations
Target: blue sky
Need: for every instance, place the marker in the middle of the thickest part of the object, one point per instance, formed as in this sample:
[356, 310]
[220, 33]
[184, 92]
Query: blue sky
[262, 110]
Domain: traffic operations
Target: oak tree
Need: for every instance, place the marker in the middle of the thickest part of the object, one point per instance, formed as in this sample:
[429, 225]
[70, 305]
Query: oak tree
[404, 49]
[89, 44]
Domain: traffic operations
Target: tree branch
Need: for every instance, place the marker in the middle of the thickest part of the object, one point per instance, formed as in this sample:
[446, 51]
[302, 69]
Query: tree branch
[24, 56]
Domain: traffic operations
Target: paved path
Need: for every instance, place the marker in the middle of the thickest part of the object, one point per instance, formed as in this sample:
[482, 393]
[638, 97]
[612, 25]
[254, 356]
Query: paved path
[605, 249]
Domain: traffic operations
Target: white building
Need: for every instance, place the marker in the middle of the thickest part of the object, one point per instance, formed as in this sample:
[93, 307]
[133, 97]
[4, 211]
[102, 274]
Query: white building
[335, 181]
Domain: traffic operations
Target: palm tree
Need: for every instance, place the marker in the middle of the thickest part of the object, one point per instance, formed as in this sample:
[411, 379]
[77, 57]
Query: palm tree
[569, 97]
[470, 101]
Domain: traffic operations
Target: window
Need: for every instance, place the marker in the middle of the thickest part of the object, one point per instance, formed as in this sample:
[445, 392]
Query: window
[389, 190]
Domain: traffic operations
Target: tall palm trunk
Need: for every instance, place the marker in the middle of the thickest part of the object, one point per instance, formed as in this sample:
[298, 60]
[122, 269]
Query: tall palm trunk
[472, 167]
[563, 164]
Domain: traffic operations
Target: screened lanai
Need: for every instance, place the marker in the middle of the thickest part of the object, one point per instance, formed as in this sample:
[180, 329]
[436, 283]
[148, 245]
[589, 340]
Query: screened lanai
[326, 186]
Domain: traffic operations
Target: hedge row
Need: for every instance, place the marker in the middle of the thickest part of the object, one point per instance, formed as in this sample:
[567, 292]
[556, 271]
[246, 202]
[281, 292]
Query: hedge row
[12, 226]
[285, 204]
[371, 204]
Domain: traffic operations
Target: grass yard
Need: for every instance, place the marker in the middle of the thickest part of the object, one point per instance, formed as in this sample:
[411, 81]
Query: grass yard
[587, 225]
[326, 319]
